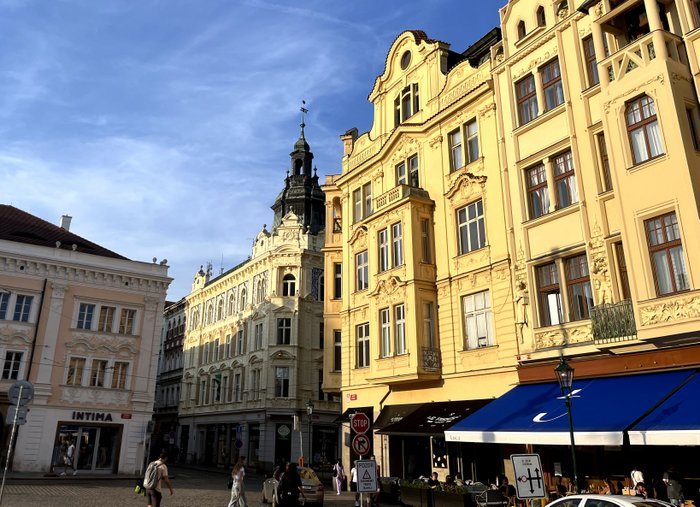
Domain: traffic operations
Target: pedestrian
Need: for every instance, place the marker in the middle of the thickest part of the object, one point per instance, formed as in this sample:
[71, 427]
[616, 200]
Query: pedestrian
[289, 488]
[640, 490]
[507, 490]
[458, 479]
[674, 490]
[156, 474]
[237, 490]
[353, 483]
[378, 490]
[69, 458]
[339, 475]
[637, 476]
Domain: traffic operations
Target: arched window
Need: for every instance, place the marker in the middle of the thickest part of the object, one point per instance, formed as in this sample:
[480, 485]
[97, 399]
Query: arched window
[210, 314]
[289, 285]
[541, 18]
[194, 321]
[260, 291]
[231, 303]
[521, 29]
[220, 310]
[643, 129]
[241, 302]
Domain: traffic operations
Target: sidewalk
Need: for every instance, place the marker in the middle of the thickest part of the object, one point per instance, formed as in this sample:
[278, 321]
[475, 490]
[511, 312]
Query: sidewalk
[43, 477]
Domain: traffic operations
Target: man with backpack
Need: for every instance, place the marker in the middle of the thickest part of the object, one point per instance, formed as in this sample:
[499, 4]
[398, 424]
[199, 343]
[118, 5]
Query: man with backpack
[156, 472]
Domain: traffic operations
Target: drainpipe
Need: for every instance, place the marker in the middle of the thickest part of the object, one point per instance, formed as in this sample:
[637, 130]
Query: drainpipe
[36, 329]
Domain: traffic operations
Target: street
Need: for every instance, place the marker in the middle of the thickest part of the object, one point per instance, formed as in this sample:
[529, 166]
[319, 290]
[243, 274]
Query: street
[192, 488]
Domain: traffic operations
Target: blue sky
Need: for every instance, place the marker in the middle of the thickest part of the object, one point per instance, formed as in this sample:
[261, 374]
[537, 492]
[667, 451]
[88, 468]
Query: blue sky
[164, 127]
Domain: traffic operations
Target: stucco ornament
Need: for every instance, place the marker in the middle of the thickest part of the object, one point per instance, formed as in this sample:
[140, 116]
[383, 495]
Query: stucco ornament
[600, 268]
[563, 336]
[466, 186]
[676, 309]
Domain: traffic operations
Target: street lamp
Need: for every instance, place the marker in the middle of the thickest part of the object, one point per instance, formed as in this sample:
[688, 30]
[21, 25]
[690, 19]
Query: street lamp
[310, 410]
[565, 376]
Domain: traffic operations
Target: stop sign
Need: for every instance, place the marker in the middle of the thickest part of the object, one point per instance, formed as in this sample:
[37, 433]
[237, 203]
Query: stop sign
[359, 422]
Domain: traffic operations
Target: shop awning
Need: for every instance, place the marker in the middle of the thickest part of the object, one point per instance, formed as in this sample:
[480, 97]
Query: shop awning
[433, 418]
[345, 416]
[391, 414]
[675, 422]
[602, 408]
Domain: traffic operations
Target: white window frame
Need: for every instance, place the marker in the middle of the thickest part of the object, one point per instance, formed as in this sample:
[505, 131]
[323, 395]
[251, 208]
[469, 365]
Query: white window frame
[14, 364]
[86, 316]
[362, 345]
[474, 317]
[397, 244]
[361, 271]
[385, 332]
[481, 242]
[383, 240]
[400, 330]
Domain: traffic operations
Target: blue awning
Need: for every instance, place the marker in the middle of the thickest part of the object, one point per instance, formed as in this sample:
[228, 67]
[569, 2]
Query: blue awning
[675, 422]
[602, 409]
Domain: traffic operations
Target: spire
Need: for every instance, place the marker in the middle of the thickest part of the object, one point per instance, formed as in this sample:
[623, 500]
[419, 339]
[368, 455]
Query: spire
[304, 111]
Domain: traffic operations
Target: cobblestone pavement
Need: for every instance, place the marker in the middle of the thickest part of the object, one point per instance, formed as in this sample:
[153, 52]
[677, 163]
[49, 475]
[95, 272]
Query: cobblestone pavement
[192, 488]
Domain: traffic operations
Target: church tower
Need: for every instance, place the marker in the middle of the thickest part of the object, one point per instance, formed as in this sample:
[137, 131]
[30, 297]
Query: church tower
[301, 194]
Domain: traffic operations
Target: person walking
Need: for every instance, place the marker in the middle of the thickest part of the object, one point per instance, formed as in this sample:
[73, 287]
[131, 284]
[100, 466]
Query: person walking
[237, 492]
[153, 483]
[339, 474]
[289, 487]
[674, 490]
[637, 476]
[69, 457]
[353, 483]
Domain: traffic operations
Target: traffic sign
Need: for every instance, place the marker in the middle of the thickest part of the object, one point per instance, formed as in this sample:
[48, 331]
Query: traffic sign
[360, 444]
[366, 470]
[27, 393]
[529, 482]
[21, 415]
[359, 422]
[239, 443]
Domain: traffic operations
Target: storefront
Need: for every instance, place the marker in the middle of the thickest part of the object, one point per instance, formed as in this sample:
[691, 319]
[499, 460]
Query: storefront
[96, 446]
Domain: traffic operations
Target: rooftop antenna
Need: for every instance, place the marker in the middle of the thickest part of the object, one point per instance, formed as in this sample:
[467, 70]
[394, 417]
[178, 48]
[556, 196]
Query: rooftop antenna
[304, 111]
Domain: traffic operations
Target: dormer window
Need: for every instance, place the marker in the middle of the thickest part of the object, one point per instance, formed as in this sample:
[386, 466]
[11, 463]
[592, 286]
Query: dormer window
[541, 18]
[521, 30]
[406, 104]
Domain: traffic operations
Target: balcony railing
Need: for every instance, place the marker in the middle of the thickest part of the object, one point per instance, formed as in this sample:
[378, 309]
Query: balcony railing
[613, 322]
[396, 194]
[431, 359]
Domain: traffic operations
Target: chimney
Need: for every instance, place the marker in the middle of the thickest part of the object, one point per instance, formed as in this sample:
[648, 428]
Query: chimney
[349, 139]
[65, 222]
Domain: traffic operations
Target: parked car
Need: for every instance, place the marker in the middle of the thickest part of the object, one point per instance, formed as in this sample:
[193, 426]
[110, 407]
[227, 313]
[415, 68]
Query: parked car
[606, 501]
[310, 483]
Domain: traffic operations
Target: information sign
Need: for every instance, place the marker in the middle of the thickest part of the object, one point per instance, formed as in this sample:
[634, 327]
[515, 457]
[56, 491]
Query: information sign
[366, 474]
[529, 482]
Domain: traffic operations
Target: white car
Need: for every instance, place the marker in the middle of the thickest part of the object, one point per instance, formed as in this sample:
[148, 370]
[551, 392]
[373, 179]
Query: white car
[586, 500]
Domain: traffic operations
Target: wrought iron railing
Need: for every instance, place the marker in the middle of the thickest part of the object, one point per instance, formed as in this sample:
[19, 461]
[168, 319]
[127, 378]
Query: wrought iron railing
[431, 359]
[614, 322]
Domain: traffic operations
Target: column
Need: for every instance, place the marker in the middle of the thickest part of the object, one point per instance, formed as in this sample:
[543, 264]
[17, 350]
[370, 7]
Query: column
[657, 28]
[45, 355]
[549, 169]
[599, 43]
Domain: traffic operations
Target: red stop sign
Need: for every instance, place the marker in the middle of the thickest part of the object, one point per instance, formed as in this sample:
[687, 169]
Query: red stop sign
[359, 422]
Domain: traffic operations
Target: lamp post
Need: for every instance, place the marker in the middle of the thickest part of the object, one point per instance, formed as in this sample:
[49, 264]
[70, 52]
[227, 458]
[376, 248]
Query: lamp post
[565, 376]
[309, 411]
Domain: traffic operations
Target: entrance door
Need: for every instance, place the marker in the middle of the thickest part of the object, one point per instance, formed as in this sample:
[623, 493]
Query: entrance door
[283, 443]
[106, 448]
[86, 446]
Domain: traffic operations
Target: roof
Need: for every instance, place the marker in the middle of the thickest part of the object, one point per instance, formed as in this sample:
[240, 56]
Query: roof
[22, 227]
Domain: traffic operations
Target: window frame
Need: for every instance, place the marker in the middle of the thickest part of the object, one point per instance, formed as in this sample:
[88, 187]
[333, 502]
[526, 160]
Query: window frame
[361, 271]
[642, 125]
[76, 381]
[623, 274]
[589, 58]
[604, 160]
[486, 312]
[337, 350]
[666, 246]
[385, 332]
[426, 250]
[479, 219]
[455, 147]
[400, 348]
[553, 82]
[540, 188]
[284, 330]
[583, 280]
[98, 370]
[565, 159]
[4, 304]
[429, 324]
[127, 321]
[362, 344]
[545, 290]
[86, 313]
[383, 250]
[337, 280]
[526, 99]
[105, 321]
[282, 384]
[289, 285]
[12, 366]
[397, 257]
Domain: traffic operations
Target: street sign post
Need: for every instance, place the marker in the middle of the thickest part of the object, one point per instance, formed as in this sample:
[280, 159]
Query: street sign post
[529, 482]
[20, 417]
[360, 444]
[359, 423]
[366, 470]
[20, 394]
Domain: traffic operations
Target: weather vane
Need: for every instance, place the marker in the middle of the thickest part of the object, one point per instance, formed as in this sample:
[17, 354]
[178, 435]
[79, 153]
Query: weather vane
[304, 111]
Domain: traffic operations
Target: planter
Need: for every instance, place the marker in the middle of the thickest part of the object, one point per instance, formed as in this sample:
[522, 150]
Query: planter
[414, 497]
[445, 499]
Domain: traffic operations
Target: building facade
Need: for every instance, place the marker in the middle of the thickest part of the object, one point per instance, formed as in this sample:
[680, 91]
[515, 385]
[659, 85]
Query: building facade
[82, 324]
[253, 351]
[168, 381]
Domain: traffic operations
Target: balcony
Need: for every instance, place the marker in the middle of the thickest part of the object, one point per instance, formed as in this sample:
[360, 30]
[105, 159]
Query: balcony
[398, 193]
[613, 323]
[430, 359]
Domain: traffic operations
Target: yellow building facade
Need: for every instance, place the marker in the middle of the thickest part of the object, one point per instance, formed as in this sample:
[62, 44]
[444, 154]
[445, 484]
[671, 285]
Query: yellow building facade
[545, 187]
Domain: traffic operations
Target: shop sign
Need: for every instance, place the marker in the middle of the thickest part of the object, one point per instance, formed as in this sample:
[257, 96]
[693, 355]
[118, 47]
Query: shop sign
[126, 416]
[284, 431]
[92, 416]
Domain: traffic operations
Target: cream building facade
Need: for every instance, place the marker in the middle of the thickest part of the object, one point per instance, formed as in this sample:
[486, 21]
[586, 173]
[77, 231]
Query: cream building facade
[82, 324]
[254, 343]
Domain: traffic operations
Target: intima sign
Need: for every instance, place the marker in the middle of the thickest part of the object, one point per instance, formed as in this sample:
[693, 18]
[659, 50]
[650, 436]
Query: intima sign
[91, 416]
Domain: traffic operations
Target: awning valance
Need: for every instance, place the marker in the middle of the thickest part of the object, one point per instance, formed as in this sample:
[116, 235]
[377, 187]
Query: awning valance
[602, 408]
[433, 418]
[345, 416]
[391, 414]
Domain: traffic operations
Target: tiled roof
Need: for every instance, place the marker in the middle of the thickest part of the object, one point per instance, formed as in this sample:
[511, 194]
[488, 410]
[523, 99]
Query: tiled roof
[22, 227]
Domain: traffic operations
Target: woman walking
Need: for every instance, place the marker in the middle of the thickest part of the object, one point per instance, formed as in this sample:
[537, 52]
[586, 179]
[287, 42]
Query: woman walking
[339, 474]
[237, 491]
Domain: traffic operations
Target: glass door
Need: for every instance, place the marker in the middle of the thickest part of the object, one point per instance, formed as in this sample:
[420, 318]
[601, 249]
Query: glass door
[86, 448]
[106, 448]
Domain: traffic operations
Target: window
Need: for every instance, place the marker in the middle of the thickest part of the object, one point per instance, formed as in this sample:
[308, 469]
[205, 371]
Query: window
[367, 196]
[216, 389]
[76, 365]
[551, 85]
[470, 223]
[643, 129]
[337, 350]
[321, 333]
[23, 306]
[205, 347]
[526, 94]
[321, 397]
[220, 309]
[202, 391]
[225, 392]
[537, 194]
[357, 204]
[126, 322]
[362, 269]
[472, 135]
[591, 64]
[284, 331]
[237, 387]
[383, 237]
[477, 320]
[385, 330]
[692, 114]
[282, 381]
[521, 29]
[4, 301]
[362, 202]
[666, 251]
[455, 142]
[337, 280]
[240, 342]
[401, 178]
[425, 240]
[429, 324]
[97, 373]
[362, 334]
[227, 347]
[549, 295]
[406, 104]
[410, 178]
[397, 244]
[85, 313]
[606, 178]
[255, 383]
[541, 19]
[231, 304]
[260, 288]
[289, 285]
[215, 350]
[622, 268]
[578, 284]
[119, 372]
[106, 319]
[321, 287]
[565, 180]
[10, 370]
[400, 328]
[258, 337]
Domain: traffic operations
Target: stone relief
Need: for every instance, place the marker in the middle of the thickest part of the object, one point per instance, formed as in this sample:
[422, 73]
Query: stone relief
[564, 336]
[466, 186]
[676, 309]
[95, 396]
[600, 267]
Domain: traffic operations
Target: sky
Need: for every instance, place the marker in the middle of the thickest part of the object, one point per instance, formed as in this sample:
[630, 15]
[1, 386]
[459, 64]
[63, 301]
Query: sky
[164, 127]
